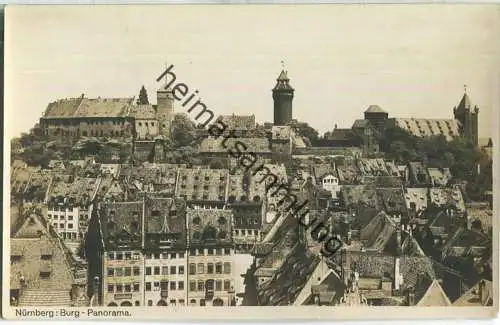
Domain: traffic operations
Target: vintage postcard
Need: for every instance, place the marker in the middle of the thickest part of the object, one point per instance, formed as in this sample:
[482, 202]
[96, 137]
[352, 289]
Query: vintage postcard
[205, 162]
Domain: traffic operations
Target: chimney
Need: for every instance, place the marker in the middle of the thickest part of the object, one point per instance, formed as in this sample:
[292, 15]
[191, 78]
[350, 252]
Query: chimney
[481, 290]
[410, 297]
[397, 275]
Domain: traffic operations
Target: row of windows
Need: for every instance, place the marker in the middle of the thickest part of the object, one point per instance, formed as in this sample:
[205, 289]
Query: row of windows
[123, 271]
[245, 232]
[145, 123]
[62, 217]
[158, 256]
[123, 256]
[61, 225]
[70, 235]
[164, 270]
[164, 285]
[200, 285]
[124, 287]
[211, 268]
[210, 251]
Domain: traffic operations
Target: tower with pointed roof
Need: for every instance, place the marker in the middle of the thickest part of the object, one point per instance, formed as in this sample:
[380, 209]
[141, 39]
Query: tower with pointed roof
[468, 116]
[376, 116]
[283, 97]
[164, 108]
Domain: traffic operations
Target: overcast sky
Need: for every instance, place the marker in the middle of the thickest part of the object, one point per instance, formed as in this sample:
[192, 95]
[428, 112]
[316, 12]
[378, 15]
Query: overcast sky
[411, 60]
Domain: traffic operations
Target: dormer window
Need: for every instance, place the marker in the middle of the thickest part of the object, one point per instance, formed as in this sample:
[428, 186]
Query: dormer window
[46, 257]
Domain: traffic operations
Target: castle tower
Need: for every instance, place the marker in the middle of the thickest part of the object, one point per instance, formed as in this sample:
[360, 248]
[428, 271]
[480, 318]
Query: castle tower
[164, 109]
[468, 117]
[283, 97]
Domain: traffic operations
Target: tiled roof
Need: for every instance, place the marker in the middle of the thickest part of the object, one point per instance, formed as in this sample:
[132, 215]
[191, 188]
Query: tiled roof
[120, 222]
[429, 127]
[86, 107]
[209, 227]
[321, 170]
[29, 263]
[214, 145]
[372, 167]
[374, 109]
[355, 195]
[283, 81]
[289, 280]
[63, 108]
[165, 216]
[202, 184]
[479, 295]
[340, 135]
[245, 188]
[434, 296]
[393, 200]
[77, 191]
[440, 177]
[418, 196]
[143, 112]
[38, 185]
[485, 215]
[19, 178]
[378, 232]
[348, 172]
[442, 197]
[104, 107]
[238, 122]
[360, 124]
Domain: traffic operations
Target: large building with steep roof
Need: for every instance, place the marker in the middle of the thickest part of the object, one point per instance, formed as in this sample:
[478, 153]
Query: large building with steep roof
[108, 117]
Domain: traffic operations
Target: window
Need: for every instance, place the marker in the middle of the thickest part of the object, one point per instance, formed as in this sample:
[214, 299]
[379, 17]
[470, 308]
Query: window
[128, 271]
[157, 270]
[218, 285]
[137, 302]
[181, 269]
[111, 288]
[192, 252]
[227, 251]
[192, 268]
[164, 270]
[218, 268]
[61, 225]
[173, 255]
[173, 270]
[148, 270]
[201, 251]
[202, 302]
[181, 302]
[227, 267]
[119, 256]
[180, 285]
[210, 251]
[201, 268]
[227, 285]
[181, 255]
[49, 216]
[157, 256]
[150, 302]
[111, 271]
[137, 271]
[46, 256]
[119, 271]
[70, 217]
[136, 256]
[218, 251]
[111, 256]
[164, 285]
[210, 268]
[136, 287]
[62, 216]
[128, 256]
[119, 288]
[70, 226]
[173, 285]
[201, 285]
[192, 285]
[128, 288]
[156, 286]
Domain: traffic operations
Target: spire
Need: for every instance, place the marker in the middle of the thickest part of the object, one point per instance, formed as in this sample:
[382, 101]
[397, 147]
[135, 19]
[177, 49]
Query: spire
[465, 103]
[283, 82]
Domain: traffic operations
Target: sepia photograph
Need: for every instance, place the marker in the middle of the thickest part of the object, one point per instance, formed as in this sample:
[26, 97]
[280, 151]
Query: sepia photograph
[164, 160]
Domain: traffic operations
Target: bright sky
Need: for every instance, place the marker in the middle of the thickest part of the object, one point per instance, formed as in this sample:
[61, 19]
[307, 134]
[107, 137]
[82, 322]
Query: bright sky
[411, 60]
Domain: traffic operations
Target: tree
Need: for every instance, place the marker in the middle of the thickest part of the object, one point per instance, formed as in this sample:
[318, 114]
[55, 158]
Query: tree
[143, 97]
[308, 132]
[183, 131]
